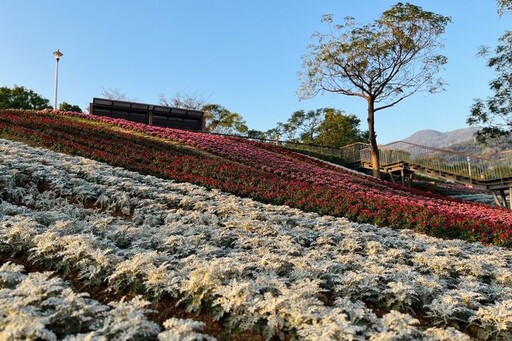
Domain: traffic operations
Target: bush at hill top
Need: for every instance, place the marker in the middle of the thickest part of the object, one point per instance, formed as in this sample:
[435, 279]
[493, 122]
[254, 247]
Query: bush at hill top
[264, 172]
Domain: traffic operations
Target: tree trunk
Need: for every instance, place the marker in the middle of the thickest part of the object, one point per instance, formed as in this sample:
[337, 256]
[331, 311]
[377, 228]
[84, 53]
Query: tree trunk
[373, 139]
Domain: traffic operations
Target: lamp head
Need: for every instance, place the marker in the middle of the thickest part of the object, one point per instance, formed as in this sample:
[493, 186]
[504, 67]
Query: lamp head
[57, 54]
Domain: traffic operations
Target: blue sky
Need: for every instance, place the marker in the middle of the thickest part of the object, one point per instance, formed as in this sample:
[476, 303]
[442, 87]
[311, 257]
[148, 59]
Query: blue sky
[244, 55]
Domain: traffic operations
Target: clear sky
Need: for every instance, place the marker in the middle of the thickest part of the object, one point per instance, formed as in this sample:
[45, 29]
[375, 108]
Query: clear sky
[244, 55]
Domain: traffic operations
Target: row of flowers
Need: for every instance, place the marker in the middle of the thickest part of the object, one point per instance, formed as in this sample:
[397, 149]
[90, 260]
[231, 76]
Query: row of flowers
[259, 171]
[260, 267]
[42, 306]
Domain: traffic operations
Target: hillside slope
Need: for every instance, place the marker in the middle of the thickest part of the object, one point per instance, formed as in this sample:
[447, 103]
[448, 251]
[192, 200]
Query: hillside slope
[261, 171]
[147, 244]
[175, 261]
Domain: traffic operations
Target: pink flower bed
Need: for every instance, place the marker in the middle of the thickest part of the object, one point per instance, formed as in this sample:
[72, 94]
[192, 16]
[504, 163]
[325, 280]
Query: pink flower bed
[273, 174]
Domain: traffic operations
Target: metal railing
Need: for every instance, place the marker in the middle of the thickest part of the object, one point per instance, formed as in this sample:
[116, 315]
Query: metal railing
[474, 167]
[312, 148]
[352, 152]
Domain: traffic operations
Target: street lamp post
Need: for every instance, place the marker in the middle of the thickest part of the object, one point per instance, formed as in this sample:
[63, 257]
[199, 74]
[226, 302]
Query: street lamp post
[57, 54]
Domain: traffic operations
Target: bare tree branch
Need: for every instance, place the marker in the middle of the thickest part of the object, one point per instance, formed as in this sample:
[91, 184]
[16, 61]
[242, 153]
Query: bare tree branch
[383, 62]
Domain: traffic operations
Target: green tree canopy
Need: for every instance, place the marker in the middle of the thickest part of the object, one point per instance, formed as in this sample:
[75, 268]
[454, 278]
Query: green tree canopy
[256, 134]
[302, 126]
[504, 6]
[21, 98]
[218, 119]
[274, 134]
[64, 106]
[383, 62]
[222, 121]
[338, 129]
[495, 112]
[325, 126]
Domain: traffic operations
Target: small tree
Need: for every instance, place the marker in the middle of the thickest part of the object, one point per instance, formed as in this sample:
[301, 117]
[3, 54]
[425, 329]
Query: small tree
[383, 62]
[191, 102]
[21, 98]
[338, 130]
[273, 134]
[287, 131]
[64, 106]
[222, 121]
[256, 134]
[325, 126]
[218, 119]
[114, 94]
[302, 126]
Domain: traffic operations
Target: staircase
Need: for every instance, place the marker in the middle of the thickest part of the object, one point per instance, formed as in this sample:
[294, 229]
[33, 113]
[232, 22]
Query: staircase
[403, 159]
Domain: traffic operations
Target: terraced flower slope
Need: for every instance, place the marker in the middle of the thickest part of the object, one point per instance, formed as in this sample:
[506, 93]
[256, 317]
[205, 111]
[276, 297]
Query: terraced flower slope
[41, 306]
[263, 172]
[274, 270]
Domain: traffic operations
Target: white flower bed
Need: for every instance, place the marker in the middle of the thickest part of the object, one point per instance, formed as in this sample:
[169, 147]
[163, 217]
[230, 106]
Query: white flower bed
[40, 306]
[481, 198]
[259, 266]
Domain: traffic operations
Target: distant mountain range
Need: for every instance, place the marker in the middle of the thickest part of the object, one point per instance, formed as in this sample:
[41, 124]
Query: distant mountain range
[437, 139]
[460, 140]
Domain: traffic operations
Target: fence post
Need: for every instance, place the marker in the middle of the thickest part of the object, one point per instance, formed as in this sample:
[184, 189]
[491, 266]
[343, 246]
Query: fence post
[510, 198]
[469, 166]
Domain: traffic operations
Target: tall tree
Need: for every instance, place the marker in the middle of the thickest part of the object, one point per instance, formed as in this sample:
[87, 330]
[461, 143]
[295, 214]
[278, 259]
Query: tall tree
[495, 113]
[21, 98]
[383, 62]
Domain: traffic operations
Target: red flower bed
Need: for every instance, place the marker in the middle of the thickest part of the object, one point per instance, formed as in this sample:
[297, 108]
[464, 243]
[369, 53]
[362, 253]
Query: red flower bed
[261, 171]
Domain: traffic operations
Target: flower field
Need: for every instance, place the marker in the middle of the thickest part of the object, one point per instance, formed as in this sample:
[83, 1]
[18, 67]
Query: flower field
[272, 270]
[39, 305]
[263, 172]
